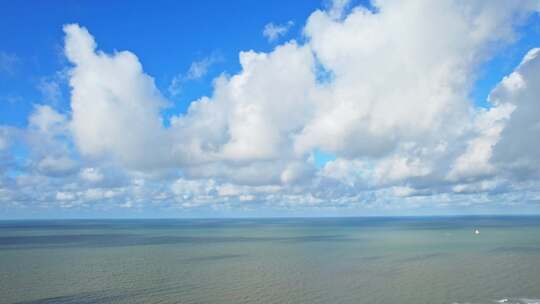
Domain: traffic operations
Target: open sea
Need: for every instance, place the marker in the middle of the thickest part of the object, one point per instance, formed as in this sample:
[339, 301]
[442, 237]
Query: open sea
[416, 260]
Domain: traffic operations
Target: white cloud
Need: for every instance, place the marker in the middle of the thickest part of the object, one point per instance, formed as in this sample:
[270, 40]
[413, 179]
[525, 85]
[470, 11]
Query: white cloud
[92, 175]
[115, 106]
[402, 191]
[517, 151]
[242, 129]
[274, 31]
[398, 168]
[47, 120]
[396, 114]
[481, 186]
[47, 137]
[396, 79]
[476, 159]
[276, 110]
[65, 196]
[347, 172]
[51, 165]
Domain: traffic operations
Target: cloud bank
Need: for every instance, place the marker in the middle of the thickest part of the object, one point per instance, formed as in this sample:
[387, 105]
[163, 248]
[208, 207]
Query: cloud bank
[385, 90]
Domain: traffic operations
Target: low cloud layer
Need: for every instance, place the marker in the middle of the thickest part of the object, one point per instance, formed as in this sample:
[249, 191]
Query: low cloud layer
[384, 90]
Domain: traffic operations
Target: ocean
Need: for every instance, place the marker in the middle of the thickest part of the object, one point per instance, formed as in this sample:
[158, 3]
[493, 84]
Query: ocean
[417, 260]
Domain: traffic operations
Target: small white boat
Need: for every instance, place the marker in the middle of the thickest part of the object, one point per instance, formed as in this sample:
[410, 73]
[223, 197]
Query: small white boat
[476, 231]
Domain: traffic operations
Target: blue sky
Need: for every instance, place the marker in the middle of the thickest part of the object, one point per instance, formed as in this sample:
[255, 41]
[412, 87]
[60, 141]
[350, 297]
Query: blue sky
[402, 126]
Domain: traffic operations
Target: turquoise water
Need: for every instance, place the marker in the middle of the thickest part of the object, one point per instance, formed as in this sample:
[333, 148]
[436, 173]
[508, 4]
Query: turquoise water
[349, 260]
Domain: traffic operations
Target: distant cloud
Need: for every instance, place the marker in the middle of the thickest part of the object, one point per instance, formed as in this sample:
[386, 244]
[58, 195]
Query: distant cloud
[54, 166]
[11, 99]
[175, 87]
[91, 175]
[50, 90]
[8, 62]
[273, 31]
[197, 70]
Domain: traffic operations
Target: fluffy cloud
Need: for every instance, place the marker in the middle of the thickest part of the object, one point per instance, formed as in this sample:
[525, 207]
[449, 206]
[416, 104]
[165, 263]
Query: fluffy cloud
[517, 150]
[115, 106]
[476, 159]
[396, 79]
[385, 89]
[242, 130]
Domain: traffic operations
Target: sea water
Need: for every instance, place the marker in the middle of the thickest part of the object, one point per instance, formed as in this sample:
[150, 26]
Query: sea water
[413, 260]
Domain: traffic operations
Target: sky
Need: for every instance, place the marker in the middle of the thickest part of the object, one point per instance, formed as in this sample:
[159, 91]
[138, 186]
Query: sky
[132, 109]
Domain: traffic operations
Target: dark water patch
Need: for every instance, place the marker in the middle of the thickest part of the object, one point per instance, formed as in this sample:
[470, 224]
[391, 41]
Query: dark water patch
[117, 240]
[373, 258]
[218, 257]
[517, 249]
[109, 296]
[369, 259]
[449, 222]
[81, 298]
[60, 239]
[423, 257]
[465, 222]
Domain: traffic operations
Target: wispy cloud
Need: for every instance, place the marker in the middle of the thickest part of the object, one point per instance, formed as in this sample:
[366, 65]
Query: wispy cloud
[11, 99]
[8, 63]
[50, 90]
[175, 87]
[273, 31]
[51, 86]
[197, 70]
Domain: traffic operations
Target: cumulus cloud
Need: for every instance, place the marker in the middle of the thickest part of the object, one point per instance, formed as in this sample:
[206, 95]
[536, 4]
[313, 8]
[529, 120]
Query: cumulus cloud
[242, 129]
[517, 150]
[115, 105]
[395, 112]
[396, 80]
[476, 159]
[48, 138]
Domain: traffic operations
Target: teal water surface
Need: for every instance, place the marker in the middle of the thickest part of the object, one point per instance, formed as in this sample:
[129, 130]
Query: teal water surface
[331, 260]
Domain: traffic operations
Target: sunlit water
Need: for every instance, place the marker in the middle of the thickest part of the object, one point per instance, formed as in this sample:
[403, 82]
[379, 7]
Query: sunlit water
[361, 260]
